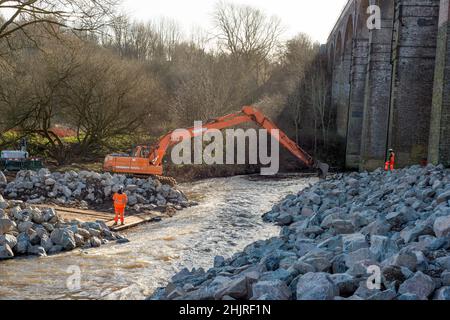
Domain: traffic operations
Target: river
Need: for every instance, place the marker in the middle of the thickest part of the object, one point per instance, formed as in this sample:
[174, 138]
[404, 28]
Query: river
[227, 219]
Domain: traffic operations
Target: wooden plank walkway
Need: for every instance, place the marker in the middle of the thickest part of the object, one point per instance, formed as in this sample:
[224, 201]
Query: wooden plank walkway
[134, 221]
[131, 221]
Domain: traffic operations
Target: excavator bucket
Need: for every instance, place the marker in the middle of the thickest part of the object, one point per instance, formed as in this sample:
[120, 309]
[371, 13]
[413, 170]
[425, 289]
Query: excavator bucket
[323, 169]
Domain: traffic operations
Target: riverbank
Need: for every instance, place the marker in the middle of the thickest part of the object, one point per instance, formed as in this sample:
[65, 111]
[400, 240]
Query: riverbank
[91, 190]
[359, 236]
[227, 219]
[34, 231]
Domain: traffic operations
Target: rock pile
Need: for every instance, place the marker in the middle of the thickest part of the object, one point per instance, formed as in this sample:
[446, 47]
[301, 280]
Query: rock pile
[85, 189]
[357, 236]
[26, 230]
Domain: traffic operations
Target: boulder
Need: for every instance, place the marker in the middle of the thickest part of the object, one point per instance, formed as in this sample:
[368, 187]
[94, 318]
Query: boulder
[284, 219]
[420, 284]
[63, 237]
[343, 226]
[444, 262]
[37, 251]
[46, 243]
[237, 289]
[345, 283]
[353, 242]
[406, 259]
[55, 249]
[443, 197]
[386, 295]
[442, 226]
[8, 239]
[6, 225]
[316, 286]
[6, 252]
[23, 242]
[219, 261]
[25, 226]
[273, 290]
[445, 278]
[95, 242]
[442, 294]
[357, 256]
[409, 297]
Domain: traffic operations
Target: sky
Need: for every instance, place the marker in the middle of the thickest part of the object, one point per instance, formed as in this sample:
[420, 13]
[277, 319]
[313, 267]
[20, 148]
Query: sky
[314, 17]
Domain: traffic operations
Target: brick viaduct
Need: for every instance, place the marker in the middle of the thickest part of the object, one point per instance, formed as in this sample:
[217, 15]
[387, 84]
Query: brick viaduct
[391, 86]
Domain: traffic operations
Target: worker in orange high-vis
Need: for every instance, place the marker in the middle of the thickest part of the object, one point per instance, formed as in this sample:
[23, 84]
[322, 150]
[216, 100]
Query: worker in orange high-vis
[120, 203]
[390, 163]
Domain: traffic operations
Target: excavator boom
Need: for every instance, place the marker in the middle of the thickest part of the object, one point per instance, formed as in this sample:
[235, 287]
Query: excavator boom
[149, 161]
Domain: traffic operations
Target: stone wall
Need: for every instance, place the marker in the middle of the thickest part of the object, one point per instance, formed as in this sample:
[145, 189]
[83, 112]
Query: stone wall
[393, 91]
[439, 147]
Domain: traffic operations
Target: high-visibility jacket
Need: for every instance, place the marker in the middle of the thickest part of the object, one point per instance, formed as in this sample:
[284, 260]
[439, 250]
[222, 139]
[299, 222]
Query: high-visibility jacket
[390, 164]
[120, 200]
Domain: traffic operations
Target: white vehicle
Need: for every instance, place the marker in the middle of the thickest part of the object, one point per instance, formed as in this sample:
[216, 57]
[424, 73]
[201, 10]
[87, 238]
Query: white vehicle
[14, 155]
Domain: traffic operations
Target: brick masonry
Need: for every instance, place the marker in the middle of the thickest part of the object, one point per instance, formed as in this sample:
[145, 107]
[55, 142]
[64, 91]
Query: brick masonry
[397, 90]
[439, 143]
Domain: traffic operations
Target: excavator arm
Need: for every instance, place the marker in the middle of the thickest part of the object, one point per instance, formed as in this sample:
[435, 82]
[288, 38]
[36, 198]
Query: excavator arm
[247, 114]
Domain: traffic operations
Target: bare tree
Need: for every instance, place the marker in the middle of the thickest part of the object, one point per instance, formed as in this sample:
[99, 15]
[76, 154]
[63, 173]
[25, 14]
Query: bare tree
[52, 15]
[246, 31]
[249, 34]
[108, 97]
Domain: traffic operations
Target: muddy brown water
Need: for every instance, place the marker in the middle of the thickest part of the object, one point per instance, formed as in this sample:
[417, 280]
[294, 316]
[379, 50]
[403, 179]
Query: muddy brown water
[227, 219]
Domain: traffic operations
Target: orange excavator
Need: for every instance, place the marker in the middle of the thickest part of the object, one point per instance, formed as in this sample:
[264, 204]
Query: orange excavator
[148, 160]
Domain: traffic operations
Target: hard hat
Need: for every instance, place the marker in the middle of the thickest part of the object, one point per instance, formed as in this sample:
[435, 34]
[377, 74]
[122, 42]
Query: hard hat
[391, 150]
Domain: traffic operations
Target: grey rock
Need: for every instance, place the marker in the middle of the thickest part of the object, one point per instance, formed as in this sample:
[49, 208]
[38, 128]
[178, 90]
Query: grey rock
[64, 238]
[237, 289]
[443, 197]
[25, 226]
[95, 242]
[356, 256]
[420, 285]
[276, 290]
[382, 247]
[445, 278]
[442, 294]
[386, 295]
[55, 249]
[444, 262]
[8, 239]
[84, 233]
[303, 268]
[37, 251]
[6, 225]
[316, 286]
[409, 297]
[79, 240]
[442, 226]
[353, 242]
[23, 242]
[406, 259]
[284, 219]
[6, 252]
[411, 234]
[346, 283]
[219, 261]
[343, 226]
[46, 243]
